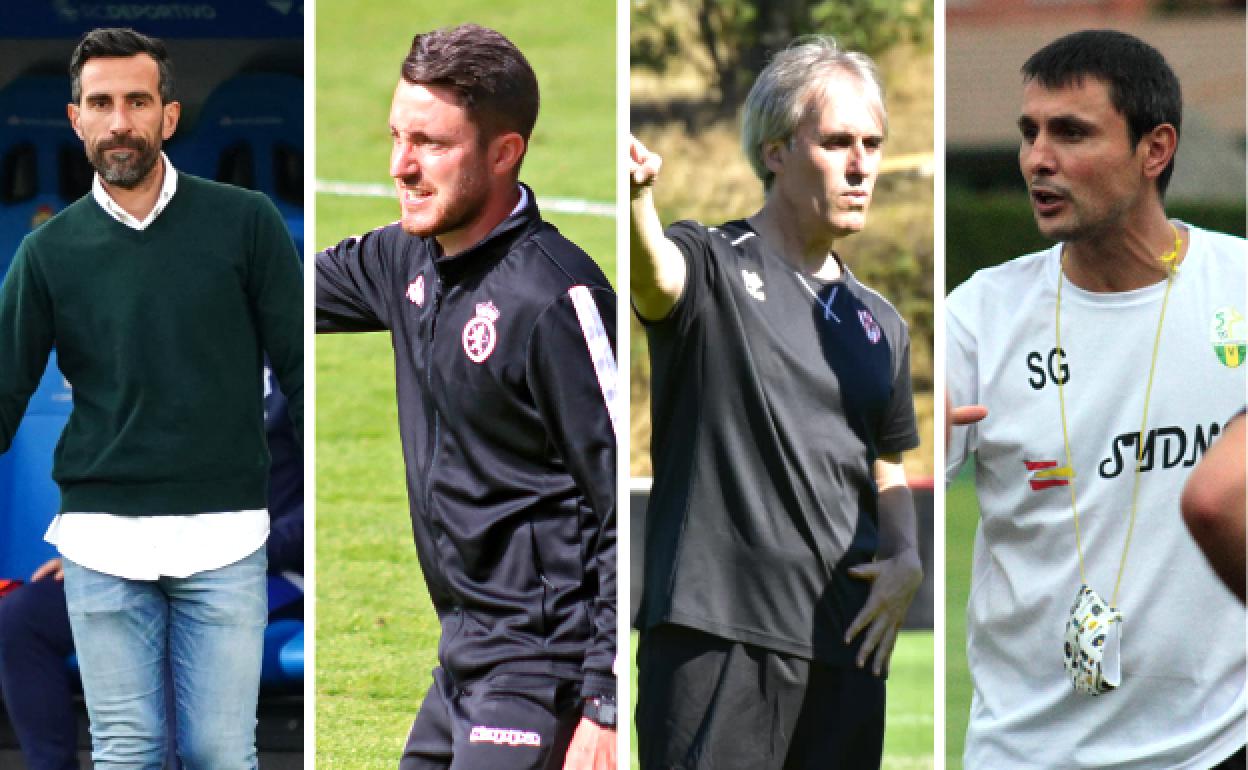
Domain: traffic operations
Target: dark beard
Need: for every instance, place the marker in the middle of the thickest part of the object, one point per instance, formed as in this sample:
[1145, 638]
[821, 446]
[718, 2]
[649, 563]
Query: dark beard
[466, 207]
[125, 175]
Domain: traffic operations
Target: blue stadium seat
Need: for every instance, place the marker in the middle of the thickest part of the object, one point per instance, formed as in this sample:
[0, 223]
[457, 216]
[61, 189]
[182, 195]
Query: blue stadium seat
[28, 497]
[292, 657]
[42, 169]
[283, 653]
[42, 165]
[250, 133]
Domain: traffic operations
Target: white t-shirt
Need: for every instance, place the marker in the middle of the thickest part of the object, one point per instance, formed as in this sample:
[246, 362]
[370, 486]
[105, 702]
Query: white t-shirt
[1181, 703]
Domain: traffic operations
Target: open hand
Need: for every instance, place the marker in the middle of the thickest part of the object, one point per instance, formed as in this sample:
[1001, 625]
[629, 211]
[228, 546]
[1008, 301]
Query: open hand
[894, 582]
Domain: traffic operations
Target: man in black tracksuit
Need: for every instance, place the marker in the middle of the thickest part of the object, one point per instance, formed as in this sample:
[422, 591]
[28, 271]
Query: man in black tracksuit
[503, 338]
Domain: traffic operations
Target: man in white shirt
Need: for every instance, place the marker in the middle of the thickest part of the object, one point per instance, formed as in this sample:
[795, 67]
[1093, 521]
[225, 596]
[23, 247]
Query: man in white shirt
[1086, 357]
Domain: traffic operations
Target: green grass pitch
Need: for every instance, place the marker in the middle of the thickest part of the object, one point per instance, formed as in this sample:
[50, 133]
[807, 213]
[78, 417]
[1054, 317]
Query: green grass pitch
[961, 518]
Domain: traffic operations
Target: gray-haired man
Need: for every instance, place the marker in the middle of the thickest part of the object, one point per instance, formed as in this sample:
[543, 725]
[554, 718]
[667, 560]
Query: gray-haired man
[781, 550]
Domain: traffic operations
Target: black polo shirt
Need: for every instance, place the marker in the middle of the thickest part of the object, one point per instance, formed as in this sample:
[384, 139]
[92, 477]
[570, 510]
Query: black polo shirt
[773, 395]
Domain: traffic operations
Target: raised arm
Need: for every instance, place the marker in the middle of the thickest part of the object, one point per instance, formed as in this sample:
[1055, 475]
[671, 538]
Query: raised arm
[658, 270]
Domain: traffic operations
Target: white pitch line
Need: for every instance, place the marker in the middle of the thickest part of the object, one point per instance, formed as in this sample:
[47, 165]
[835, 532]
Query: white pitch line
[373, 190]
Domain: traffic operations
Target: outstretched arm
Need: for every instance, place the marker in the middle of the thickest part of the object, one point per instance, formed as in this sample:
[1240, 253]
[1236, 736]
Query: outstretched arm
[657, 275]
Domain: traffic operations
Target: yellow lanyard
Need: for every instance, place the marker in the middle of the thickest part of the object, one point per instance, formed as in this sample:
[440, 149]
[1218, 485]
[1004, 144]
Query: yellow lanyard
[1170, 260]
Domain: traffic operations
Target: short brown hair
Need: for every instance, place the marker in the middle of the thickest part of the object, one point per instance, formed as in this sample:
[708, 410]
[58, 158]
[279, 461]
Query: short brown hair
[490, 77]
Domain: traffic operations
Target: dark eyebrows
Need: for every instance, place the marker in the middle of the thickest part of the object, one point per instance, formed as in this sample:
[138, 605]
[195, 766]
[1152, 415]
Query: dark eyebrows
[1069, 122]
[842, 137]
[1058, 124]
[418, 137]
[104, 97]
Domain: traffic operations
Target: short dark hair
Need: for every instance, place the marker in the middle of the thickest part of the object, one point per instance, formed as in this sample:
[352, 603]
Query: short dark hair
[1142, 87]
[490, 77]
[110, 42]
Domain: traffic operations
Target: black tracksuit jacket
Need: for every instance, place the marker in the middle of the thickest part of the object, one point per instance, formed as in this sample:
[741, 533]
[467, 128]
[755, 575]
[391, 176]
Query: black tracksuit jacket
[507, 438]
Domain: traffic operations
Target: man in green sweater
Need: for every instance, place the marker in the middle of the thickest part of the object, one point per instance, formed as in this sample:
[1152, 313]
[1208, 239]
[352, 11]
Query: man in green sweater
[161, 293]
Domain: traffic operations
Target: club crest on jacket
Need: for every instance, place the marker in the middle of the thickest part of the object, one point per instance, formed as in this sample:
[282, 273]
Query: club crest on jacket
[480, 334]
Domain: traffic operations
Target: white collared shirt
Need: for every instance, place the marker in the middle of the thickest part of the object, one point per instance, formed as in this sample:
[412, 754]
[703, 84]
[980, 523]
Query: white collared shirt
[167, 189]
[147, 547]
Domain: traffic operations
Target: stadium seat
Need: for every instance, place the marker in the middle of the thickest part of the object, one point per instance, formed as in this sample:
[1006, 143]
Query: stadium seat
[42, 169]
[292, 657]
[281, 667]
[250, 133]
[42, 165]
[28, 497]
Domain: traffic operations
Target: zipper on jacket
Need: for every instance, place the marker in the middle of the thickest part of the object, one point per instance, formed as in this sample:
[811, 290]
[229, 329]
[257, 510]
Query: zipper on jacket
[433, 440]
[548, 587]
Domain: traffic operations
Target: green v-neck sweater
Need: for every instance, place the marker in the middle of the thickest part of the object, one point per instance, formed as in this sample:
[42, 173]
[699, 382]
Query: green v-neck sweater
[161, 334]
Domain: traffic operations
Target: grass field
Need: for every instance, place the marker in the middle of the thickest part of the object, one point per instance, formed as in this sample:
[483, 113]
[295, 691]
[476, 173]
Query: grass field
[961, 516]
[376, 631]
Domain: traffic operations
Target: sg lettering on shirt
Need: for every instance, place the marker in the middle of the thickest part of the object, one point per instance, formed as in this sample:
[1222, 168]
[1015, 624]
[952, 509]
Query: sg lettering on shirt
[1053, 370]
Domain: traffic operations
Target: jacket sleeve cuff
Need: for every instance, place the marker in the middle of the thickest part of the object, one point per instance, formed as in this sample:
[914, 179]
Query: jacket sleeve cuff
[598, 683]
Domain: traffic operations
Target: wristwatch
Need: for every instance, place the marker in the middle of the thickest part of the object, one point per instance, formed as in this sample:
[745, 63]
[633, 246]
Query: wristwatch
[600, 709]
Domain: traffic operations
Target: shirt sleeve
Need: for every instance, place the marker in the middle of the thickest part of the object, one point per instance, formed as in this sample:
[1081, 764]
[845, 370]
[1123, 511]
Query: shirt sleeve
[899, 430]
[572, 372]
[275, 290]
[352, 284]
[961, 379]
[692, 239]
[26, 339]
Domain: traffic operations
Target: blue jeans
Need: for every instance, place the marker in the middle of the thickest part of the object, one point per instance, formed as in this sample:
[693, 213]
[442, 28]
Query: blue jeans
[209, 627]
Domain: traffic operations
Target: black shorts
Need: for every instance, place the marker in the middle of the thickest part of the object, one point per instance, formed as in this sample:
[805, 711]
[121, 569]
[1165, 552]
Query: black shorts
[708, 703]
[516, 721]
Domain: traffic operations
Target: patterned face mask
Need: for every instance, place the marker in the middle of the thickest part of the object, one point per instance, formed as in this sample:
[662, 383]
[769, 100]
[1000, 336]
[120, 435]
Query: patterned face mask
[1093, 643]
